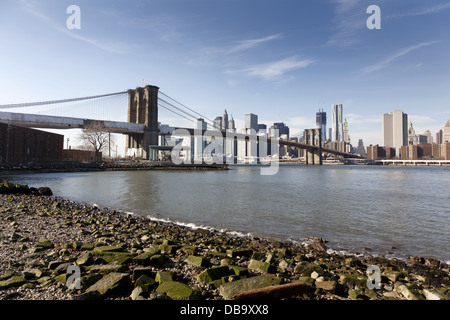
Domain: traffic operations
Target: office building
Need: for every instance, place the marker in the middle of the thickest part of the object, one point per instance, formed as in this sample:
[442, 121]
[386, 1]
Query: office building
[321, 122]
[360, 148]
[337, 126]
[225, 120]
[446, 132]
[395, 129]
[199, 142]
[231, 125]
[346, 137]
[251, 121]
[218, 123]
[439, 137]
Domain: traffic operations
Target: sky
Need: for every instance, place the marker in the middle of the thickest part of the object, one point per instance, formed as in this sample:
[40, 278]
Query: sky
[282, 60]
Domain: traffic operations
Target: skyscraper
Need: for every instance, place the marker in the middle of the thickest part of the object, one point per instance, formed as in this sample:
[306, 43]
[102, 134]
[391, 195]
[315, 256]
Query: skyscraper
[346, 137]
[251, 121]
[231, 125]
[225, 120]
[446, 132]
[199, 142]
[337, 125]
[439, 136]
[321, 122]
[395, 129]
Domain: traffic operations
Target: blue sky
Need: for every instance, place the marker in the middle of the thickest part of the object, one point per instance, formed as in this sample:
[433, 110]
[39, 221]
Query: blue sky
[282, 60]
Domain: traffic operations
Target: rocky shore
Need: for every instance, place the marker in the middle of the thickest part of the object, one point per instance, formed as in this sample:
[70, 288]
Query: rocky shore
[48, 243]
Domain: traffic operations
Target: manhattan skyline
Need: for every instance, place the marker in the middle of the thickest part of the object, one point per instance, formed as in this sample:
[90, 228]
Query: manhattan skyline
[280, 60]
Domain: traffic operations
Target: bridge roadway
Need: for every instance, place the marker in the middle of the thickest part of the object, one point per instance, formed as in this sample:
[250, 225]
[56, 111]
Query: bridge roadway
[54, 122]
[243, 136]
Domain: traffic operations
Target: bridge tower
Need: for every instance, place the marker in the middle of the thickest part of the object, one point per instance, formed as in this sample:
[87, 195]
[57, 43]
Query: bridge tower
[313, 137]
[143, 109]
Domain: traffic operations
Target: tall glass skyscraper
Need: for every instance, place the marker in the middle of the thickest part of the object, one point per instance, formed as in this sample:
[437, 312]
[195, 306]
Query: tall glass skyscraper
[321, 122]
[337, 125]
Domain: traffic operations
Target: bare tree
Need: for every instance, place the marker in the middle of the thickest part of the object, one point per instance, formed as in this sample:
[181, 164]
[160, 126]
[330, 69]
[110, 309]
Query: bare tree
[96, 137]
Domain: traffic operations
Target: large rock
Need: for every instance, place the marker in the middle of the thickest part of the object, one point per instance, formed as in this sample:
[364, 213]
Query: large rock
[215, 273]
[305, 268]
[111, 283]
[261, 266]
[14, 281]
[228, 290]
[176, 290]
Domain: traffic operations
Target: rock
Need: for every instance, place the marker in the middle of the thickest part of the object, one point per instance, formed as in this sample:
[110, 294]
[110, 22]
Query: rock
[163, 276]
[406, 292]
[107, 268]
[351, 280]
[45, 244]
[157, 259]
[45, 191]
[228, 290]
[145, 282]
[111, 283]
[85, 259]
[305, 268]
[144, 258]
[197, 261]
[434, 295]
[328, 286]
[136, 293]
[188, 249]
[392, 275]
[233, 253]
[260, 266]
[92, 295]
[238, 271]
[215, 273]
[102, 249]
[14, 281]
[176, 290]
[139, 271]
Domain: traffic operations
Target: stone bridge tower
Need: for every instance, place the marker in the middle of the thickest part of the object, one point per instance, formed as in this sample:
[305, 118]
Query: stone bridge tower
[143, 109]
[313, 137]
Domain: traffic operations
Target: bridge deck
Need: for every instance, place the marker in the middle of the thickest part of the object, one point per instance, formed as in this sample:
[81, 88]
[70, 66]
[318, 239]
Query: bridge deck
[53, 122]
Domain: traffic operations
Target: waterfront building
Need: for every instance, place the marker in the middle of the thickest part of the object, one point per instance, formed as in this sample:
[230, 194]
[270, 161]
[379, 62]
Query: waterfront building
[395, 129]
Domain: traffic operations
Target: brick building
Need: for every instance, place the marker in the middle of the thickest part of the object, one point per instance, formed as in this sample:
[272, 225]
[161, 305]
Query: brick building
[377, 152]
[425, 151]
[21, 145]
[81, 155]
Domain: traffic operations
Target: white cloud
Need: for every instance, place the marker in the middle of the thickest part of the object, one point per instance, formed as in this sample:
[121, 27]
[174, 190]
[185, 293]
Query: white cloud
[274, 70]
[422, 11]
[249, 44]
[383, 64]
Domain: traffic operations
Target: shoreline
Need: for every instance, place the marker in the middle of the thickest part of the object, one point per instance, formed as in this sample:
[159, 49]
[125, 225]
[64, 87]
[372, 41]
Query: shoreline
[123, 256]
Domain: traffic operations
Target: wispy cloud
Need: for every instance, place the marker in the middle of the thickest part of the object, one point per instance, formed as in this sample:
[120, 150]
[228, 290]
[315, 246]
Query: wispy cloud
[383, 64]
[349, 19]
[422, 11]
[110, 46]
[249, 44]
[274, 70]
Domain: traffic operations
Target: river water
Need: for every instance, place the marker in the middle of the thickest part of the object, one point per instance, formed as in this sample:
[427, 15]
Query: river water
[393, 211]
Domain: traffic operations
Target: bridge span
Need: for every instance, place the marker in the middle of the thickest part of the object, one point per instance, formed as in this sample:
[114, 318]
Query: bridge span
[54, 122]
